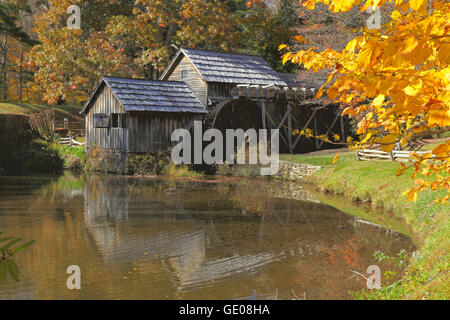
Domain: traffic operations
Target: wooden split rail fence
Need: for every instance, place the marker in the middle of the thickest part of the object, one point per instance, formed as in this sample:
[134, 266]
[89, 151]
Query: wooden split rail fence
[70, 141]
[73, 126]
[395, 155]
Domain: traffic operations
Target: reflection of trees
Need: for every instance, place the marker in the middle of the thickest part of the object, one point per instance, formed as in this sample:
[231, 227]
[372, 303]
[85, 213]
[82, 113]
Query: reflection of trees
[192, 238]
[263, 196]
[67, 185]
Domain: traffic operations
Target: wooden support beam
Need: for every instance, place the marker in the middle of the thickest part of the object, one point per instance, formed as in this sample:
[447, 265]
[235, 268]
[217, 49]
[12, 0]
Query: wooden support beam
[273, 123]
[284, 118]
[263, 113]
[315, 133]
[329, 129]
[289, 109]
[304, 127]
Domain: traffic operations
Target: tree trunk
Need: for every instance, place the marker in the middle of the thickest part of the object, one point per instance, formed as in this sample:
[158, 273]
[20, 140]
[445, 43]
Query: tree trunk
[3, 69]
[20, 75]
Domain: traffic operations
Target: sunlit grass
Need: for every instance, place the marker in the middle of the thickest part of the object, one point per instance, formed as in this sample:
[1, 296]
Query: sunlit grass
[61, 111]
[375, 182]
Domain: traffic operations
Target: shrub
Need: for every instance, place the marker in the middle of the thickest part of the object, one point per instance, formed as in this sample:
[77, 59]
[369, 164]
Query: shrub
[147, 163]
[42, 123]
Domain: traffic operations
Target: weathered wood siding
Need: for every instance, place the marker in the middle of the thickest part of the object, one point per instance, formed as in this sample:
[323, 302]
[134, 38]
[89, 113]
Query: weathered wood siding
[151, 131]
[106, 138]
[194, 79]
[219, 91]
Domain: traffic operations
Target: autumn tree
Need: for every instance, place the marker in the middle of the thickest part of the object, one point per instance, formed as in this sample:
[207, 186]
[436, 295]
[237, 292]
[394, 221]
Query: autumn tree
[14, 38]
[69, 62]
[262, 29]
[396, 79]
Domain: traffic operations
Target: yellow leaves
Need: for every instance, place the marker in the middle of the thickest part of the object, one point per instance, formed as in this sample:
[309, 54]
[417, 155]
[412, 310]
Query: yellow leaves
[437, 5]
[351, 45]
[342, 5]
[411, 90]
[416, 4]
[287, 56]
[401, 170]
[404, 140]
[442, 150]
[444, 53]
[402, 68]
[378, 101]
[330, 76]
[439, 118]
[309, 4]
[350, 111]
[388, 142]
[335, 158]
[300, 39]
[412, 194]
[396, 15]
[366, 138]
[404, 7]
[282, 46]
[409, 44]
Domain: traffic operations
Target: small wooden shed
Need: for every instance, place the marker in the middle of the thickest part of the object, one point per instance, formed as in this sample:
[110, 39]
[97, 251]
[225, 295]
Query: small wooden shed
[138, 115]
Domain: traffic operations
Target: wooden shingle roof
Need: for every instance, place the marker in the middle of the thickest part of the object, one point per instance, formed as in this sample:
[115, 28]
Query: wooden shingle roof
[229, 67]
[151, 95]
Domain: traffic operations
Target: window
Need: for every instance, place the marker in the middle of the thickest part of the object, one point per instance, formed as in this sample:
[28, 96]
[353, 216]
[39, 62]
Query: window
[184, 74]
[123, 120]
[101, 120]
[114, 120]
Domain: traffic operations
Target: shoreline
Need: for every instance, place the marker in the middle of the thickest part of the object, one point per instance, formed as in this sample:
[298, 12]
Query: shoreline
[427, 272]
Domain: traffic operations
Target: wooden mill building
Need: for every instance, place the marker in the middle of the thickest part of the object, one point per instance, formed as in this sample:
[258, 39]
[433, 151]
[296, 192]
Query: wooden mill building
[243, 91]
[225, 90]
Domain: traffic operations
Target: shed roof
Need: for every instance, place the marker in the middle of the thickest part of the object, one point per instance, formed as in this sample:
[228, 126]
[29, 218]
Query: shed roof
[151, 95]
[229, 67]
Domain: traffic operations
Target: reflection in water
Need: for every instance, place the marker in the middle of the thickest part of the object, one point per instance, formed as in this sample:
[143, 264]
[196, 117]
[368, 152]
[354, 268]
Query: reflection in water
[136, 238]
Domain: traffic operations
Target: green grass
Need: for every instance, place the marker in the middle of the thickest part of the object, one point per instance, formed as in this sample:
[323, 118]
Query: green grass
[375, 183]
[70, 112]
[319, 160]
[74, 158]
[179, 171]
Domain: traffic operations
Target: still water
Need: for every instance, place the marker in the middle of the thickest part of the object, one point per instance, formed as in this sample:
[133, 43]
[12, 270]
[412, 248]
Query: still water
[144, 238]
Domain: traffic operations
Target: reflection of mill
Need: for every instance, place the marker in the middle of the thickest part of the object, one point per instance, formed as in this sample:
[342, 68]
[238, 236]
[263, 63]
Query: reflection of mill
[188, 240]
[182, 252]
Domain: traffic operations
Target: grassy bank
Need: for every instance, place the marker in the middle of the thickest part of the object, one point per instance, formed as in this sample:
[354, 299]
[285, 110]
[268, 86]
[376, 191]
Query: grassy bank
[375, 183]
[70, 112]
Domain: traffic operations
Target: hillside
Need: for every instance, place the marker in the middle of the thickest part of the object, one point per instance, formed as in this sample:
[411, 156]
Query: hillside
[61, 111]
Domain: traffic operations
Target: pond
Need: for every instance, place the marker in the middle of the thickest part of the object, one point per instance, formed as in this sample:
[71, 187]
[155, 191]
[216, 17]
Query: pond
[160, 238]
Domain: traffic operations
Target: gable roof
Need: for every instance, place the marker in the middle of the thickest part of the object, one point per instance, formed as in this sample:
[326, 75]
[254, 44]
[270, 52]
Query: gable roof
[150, 95]
[228, 67]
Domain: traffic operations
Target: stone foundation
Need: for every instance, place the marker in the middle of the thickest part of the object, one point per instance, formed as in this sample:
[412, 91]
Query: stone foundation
[107, 161]
[123, 162]
[295, 171]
